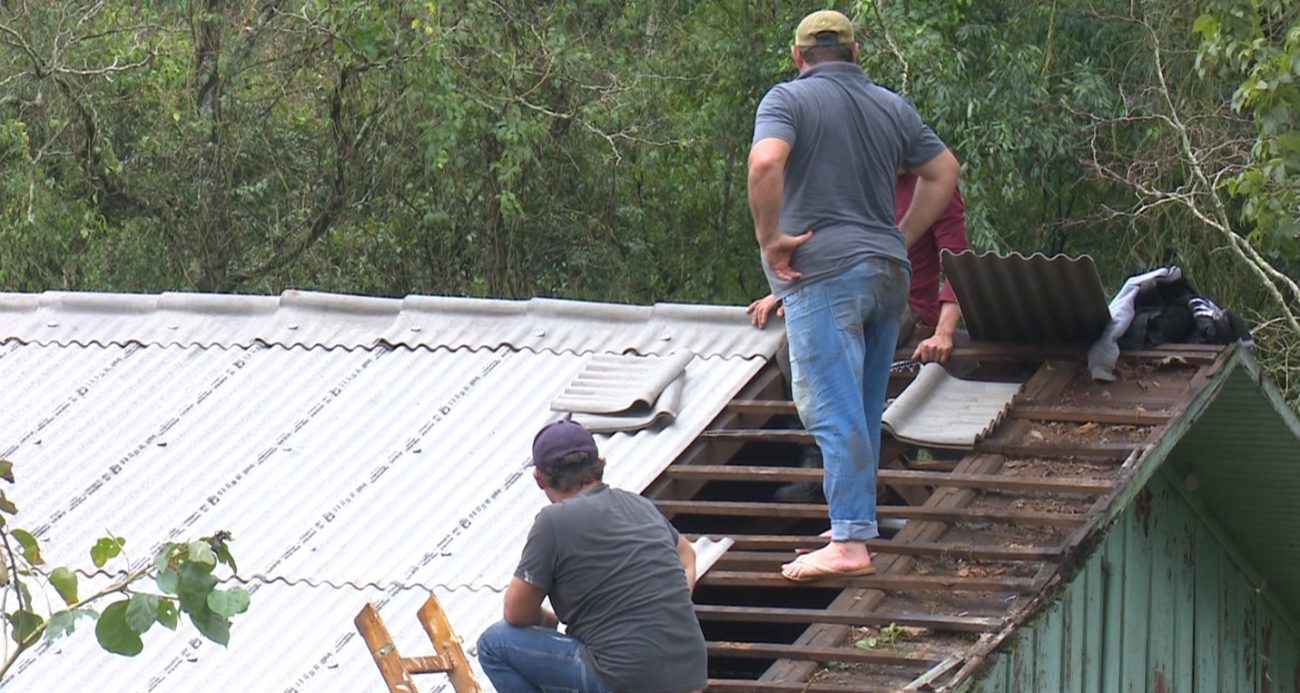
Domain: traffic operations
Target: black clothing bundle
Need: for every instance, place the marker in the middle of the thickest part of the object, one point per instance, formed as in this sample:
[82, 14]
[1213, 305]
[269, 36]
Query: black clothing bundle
[1171, 311]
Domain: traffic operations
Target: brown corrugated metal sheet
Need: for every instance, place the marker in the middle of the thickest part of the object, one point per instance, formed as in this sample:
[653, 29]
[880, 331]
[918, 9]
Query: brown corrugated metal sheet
[1036, 299]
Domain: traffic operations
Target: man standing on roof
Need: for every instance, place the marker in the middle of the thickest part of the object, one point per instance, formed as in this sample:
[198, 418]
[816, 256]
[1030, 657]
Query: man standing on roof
[618, 575]
[826, 151]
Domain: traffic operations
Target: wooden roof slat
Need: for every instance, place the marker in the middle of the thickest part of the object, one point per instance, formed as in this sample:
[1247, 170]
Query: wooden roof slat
[900, 583]
[747, 614]
[790, 542]
[898, 477]
[754, 686]
[820, 510]
[763, 650]
[1040, 412]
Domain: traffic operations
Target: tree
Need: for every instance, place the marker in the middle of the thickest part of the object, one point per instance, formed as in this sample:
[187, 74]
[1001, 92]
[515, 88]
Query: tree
[182, 573]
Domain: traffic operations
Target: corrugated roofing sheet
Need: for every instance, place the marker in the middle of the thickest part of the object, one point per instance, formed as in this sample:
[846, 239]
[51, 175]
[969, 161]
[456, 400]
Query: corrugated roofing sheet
[343, 474]
[1037, 299]
[300, 318]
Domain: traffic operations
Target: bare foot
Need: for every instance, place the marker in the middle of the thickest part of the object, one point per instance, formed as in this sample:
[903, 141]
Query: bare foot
[836, 559]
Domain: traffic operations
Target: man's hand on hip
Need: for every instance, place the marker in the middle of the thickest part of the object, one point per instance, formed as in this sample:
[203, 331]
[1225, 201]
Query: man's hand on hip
[779, 253]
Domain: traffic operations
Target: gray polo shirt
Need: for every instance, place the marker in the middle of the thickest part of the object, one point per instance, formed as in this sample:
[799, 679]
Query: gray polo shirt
[849, 138]
[608, 560]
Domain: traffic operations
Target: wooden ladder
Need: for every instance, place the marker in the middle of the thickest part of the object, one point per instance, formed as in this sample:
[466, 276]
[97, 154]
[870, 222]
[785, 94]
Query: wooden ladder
[448, 656]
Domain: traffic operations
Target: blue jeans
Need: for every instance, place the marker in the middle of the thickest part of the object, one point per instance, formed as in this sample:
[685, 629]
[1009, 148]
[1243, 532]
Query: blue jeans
[842, 331]
[533, 658]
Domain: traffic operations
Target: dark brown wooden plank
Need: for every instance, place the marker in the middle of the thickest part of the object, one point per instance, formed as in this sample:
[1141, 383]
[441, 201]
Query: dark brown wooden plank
[816, 510]
[750, 614]
[763, 406]
[1193, 354]
[758, 435]
[752, 686]
[790, 542]
[763, 650]
[1114, 452]
[900, 477]
[900, 583]
[1089, 415]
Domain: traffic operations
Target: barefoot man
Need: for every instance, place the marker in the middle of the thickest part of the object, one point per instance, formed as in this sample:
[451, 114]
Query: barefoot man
[826, 152]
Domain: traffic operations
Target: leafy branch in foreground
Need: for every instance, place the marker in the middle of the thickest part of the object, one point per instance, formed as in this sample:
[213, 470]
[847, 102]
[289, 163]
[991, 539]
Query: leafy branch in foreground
[183, 573]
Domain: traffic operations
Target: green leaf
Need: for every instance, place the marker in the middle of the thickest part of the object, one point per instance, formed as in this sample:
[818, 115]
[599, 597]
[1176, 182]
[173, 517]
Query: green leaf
[212, 625]
[65, 622]
[167, 613]
[224, 555]
[141, 612]
[168, 581]
[7, 505]
[65, 581]
[196, 582]
[201, 552]
[31, 548]
[105, 549]
[229, 602]
[114, 634]
[1206, 25]
[23, 623]
[162, 559]
[7, 471]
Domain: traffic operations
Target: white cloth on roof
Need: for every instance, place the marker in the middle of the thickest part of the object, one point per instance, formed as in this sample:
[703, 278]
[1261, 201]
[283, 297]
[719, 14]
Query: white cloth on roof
[1105, 351]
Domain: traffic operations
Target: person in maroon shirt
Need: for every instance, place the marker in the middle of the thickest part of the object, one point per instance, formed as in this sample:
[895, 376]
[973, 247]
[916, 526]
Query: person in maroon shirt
[934, 309]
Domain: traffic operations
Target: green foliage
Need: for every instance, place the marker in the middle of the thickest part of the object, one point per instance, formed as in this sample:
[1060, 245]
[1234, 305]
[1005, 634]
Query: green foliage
[887, 636]
[106, 549]
[115, 632]
[182, 571]
[598, 150]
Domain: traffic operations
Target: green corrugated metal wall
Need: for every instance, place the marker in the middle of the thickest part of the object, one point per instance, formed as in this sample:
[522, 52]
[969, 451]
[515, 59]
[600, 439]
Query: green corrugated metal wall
[1161, 605]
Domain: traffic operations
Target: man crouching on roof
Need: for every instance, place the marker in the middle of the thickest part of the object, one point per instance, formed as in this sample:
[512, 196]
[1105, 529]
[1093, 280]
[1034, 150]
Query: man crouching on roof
[618, 575]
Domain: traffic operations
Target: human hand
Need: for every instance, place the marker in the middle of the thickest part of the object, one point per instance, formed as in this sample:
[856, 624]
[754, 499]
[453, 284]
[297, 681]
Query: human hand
[936, 349]
[779, 253]
[762, 308]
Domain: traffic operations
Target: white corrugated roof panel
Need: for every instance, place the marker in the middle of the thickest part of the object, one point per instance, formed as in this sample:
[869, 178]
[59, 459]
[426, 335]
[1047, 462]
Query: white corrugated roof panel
[343, 474]
[298, 318]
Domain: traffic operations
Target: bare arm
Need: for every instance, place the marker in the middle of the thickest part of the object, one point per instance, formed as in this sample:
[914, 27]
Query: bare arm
[523, 605]
[686, 552]
[939, 346]
[767, 160]
[937, 181]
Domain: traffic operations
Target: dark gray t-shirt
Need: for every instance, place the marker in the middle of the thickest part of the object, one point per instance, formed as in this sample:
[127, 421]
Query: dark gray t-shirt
[848, 138]
[608, 560]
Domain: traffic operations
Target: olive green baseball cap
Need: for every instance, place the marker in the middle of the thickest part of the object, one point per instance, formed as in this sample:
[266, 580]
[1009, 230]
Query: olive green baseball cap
[823, 28]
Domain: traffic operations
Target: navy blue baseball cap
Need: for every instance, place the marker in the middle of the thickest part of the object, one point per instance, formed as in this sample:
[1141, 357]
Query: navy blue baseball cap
[560, 439]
